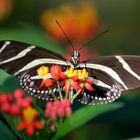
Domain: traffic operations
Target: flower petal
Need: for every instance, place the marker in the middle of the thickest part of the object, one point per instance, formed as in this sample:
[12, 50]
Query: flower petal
[38, 125]
[75, 85]
[30, 129]
[46, 83]
[89, 87]
[21, 126]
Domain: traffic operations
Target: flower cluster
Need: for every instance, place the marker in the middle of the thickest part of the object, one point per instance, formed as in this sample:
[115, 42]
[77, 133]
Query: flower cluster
[14, 104]
[79, 22]
[58, 109]
[71, 80]
[21, 106]
[28, 118]
[77, 79]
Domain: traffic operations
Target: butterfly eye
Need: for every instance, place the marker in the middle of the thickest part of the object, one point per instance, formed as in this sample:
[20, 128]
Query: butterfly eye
[78, 55]
[72, 54]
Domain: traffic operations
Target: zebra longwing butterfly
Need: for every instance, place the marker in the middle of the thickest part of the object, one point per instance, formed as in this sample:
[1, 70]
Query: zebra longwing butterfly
[112, 74]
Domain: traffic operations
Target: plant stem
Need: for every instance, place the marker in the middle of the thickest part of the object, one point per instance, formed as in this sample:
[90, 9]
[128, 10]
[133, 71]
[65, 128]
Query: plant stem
[66, 96]
[59, 89]
[75, 95]
[52, 93]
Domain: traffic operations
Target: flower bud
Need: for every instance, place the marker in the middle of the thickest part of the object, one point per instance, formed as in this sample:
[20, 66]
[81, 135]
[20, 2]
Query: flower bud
[18, 93]
[15, 110]
[3, 98]
[43, 70]
[56, 72]
[66, 102]
[68, 111]
[6, 107]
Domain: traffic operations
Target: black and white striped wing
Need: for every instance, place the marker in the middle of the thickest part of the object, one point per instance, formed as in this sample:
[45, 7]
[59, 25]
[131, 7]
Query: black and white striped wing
[22, 60]
[17, 57]
[113, 75]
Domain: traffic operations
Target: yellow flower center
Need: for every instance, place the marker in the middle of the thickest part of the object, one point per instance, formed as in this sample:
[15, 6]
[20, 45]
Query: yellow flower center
[29, 114]
[82, 74]
[43, 70]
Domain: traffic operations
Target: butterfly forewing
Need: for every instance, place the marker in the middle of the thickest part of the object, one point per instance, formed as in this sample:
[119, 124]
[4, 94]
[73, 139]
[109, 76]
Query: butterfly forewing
[17, 57]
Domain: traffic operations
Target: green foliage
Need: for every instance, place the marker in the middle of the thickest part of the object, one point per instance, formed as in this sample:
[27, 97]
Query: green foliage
[82, 116]
[7, 132]
[32, 35]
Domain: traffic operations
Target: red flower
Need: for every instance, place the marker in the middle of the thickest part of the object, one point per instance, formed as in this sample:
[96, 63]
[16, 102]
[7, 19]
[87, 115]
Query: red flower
[6, 108]
[56, 72]
[5, 102]
[30, 122]
[25, 102]
[5, 98]
[13, 104]
[15, 110]
[18, 93]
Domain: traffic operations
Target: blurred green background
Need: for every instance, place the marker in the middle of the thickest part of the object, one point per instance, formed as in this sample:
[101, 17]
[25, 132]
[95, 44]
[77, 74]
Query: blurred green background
[21, 20]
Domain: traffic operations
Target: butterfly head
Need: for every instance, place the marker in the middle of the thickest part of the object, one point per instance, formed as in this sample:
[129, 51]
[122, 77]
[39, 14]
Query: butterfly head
[75, 56]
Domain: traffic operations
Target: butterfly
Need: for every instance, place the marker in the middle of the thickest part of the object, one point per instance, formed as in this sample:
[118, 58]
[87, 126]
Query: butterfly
[112, 74]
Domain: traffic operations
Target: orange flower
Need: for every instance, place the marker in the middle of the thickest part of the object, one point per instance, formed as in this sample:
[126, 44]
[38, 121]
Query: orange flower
[5, 7]
[29, 121]
[79, 22]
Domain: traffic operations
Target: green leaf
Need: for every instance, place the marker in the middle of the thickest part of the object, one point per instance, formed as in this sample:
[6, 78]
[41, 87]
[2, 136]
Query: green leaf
[138, 138]
[82, 116]
[3, 76]
[7, 132]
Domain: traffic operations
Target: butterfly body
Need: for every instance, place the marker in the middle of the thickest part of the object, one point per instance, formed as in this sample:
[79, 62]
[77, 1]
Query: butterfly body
[112, 74]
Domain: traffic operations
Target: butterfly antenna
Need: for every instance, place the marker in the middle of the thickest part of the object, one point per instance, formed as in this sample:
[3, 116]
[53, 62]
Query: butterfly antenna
[97, 36]
[65, 35]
